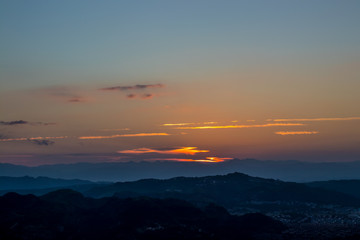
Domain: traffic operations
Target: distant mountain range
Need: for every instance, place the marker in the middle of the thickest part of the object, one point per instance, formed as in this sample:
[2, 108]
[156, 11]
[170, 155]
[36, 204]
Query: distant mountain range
[130, 171]
[41, 185]
[27, 182]
[231, 191]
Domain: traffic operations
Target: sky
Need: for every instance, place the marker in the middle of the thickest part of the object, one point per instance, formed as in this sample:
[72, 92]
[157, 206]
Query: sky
[206, 81]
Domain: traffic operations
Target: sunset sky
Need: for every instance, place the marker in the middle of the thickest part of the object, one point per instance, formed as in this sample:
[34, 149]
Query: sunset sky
[205, 80]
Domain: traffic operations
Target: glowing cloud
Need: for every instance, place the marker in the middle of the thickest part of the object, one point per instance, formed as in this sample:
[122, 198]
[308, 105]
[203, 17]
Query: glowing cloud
[176, 124]
[284, 133]
[124, 135]
[244, 126]
[183, 150]
[206, 160]
[313, 119]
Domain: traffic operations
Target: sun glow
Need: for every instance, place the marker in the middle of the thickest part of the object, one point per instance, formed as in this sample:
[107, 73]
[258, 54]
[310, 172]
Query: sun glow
[183, 150]
[206, 160]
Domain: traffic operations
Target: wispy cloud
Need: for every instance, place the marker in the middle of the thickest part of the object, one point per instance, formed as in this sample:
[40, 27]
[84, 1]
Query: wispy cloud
[76, 100]
[185, 124]
[176, 124]
[284, 133]
[31, 138]
[134, 87]
[22, 122]
[206, 160]
[183, 150]
[142, 96]
[42, 142]
[17, 122]
[114, 129]
[124, 135]
[244, 126]
[313, 119]
[147, 96]
[66, 94]
[131, 95]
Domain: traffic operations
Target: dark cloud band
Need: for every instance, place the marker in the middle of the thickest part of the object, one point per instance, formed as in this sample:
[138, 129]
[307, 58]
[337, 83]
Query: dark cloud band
[135, 87]
[22, 122]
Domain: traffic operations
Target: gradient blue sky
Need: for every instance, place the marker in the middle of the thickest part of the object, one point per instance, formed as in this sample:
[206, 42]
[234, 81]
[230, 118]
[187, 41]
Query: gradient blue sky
[218, 61]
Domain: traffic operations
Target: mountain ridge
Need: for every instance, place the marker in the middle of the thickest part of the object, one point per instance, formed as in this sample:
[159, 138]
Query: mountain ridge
[289, 170]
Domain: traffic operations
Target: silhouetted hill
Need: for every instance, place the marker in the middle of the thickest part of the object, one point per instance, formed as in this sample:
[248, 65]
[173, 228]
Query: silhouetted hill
[41, 185]
[37, 182]
[130, 171]
[350, 187]
[55, 216]
[231, 190]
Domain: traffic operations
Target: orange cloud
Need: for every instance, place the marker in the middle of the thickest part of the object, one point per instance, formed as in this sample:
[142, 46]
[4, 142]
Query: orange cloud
[185, 124]
[206, 160]
[176, 124]
[124, 135]
[183, 150]
[244, 126]
[296, 133]
[313, 119]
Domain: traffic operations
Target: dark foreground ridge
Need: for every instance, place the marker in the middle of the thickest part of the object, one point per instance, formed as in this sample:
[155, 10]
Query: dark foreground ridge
[66, 214]
[185, 207]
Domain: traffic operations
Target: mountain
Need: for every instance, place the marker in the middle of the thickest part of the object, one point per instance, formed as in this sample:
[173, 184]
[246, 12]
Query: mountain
[66, 214]
[350, 187]
[231, 191]
[37, 182]
[41, 185]
[130, 171]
